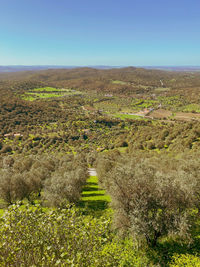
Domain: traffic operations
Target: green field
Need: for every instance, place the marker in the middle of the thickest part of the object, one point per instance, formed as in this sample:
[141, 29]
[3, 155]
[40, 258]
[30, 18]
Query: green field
[119, 82]
[128, 116]
[34, 96]
[48, 92]
[192, 107]
[162, 89]
[48, 89]
[138, 104]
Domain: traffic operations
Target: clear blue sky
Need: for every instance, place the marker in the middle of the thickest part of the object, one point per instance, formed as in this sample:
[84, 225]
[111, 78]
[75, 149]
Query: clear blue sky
[100, 32]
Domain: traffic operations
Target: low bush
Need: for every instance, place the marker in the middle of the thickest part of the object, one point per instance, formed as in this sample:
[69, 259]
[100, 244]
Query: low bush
[29, 236]
[186, 260]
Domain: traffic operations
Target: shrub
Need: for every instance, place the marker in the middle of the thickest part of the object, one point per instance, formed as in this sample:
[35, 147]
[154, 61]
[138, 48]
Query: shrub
[186, 260]
[8, 162]
[151, 145]
[6, 149]
[30, 236]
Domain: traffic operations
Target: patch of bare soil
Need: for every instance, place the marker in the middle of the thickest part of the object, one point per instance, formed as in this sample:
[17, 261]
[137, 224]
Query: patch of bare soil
[160, 114]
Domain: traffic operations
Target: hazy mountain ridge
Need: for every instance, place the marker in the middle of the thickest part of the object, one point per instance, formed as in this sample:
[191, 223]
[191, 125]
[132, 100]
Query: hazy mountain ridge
[17, 68]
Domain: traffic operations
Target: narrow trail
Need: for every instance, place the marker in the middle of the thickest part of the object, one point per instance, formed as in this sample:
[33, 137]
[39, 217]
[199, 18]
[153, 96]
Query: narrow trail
[94, 198]
[92, 171]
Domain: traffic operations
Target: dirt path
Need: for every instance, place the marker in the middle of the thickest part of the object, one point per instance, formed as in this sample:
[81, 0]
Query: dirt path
[92, 172]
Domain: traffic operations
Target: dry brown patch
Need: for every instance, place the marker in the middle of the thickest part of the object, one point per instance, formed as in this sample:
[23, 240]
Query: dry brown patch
[187, 116]
[160, 114]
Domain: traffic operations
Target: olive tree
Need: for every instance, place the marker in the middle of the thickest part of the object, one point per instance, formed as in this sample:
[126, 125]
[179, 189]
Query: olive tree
[25, 177]
[65, 185]
[13, 187]
[151, 196]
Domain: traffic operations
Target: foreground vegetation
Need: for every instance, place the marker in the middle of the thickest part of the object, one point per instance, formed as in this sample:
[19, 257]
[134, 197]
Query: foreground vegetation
[154, 220]
[62, 238]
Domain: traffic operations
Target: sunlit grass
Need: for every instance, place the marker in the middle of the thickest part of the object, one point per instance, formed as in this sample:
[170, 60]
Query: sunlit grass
[119, 82]
[128, 116]
[162, 89]
[1, 212]
[192, 107]
[92, 191]
[47, 89]
[44, 95]
[48, 92]
[94, 198]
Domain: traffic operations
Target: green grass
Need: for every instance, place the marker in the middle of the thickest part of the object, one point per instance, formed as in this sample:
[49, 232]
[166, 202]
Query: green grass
[47, 89]
[48, 92]
[122, 149]
[92, 191]
[1, 212]
[174, 103]
[45, 95]
[139, 104]
[34, 96]
[94, 199]
[119, 82]
[192, 107]
[162, 89]
[59, 90]
[143, 86]
[28, 97]
[127, 116]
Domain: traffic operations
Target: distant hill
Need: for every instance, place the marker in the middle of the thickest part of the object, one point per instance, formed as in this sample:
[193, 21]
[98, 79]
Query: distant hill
[4, 69]
[30, 68]
[175, 68]
[17, 68]
[123, 81]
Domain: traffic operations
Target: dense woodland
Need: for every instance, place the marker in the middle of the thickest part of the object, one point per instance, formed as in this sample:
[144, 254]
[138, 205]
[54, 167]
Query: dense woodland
[140, 130]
